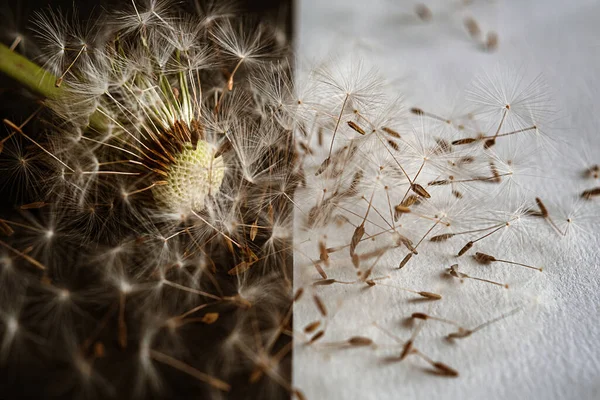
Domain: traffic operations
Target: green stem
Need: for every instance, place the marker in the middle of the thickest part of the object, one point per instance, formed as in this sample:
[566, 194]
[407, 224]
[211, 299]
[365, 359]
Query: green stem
[37, 79]
[29, 74]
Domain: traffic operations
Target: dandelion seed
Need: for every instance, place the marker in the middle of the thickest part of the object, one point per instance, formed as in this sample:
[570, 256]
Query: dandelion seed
[590, 193]
[491, 41]
[357, 128]
[483, 258]
[316, 336]
[472, 27]
[312, 327]
[423, 12]
[320, 305]
[360, 341]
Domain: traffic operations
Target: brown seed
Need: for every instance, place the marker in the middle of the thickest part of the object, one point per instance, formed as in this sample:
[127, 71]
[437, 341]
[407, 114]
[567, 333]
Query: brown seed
[399, 210]
[320, 270]
[491, 42]
[371, 282]
[472, 27]
[441, 238]
[37, 204]
[460, 334]
[405, 260]
[403, 240]
[99, 350]
[320, 305]
[355, 260]
[542, 207]
[423, 12]
[324, 282]
[431, 296]
[360, 341]
[210, 318]
[298, 294]
[439, 182]
[420, 190]
[419, 315]
[356, 237]
[240, 268]
[391, 132]
[588, 194]
[393, 145]
[323, 166]
[457, 194]
[483, 258]
[444, 369]
[323, 255]
[465, 248]
[489, 143]
[312, 327]
[316, 337]
[355, 181]
[357, 128]
[460, 142]
[406, 350]
[299, 395]
[254, 230]
[410, 200]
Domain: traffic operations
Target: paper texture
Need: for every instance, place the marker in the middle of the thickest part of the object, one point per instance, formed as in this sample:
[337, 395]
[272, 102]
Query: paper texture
[549, 350]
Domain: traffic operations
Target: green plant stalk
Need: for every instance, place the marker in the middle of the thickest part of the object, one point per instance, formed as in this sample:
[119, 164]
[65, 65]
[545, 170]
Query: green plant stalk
[29, 74]
[36, 79]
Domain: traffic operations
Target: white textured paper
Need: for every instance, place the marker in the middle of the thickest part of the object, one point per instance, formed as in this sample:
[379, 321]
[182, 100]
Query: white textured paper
[551, 349]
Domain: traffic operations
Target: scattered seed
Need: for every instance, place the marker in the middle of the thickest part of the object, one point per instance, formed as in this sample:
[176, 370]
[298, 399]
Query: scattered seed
[442, 238]
[472, 27]
[431, 296]
[465, 248]
[320, 305]
[316, 337]
[405, 260]
[360, 341]
[588, 194]
[312, 327]
[423, 12]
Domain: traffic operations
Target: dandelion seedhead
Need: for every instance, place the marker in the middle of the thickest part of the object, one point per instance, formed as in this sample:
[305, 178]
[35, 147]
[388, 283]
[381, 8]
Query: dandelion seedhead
[173, 170]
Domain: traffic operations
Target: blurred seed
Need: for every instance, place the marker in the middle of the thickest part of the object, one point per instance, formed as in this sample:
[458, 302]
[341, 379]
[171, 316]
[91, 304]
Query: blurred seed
[429, 295]
[472, 27]
[588, 194]
[391, 132]
[37, 204]
[312, 327]
[360, 341]
[444, 369]
[316, 337]
[423, 12]
[491, 41]
[210, 318]
[419, 316]
[320, 305]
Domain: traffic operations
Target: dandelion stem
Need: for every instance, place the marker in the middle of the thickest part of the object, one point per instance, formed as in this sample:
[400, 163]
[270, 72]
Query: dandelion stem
[28, 73]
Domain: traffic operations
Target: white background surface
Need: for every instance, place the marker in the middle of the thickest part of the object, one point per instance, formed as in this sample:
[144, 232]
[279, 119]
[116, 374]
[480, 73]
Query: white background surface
[551, 350]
